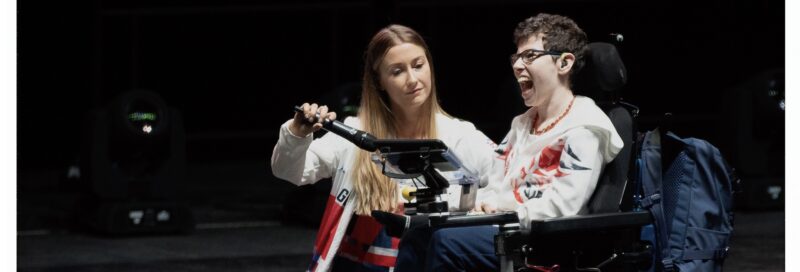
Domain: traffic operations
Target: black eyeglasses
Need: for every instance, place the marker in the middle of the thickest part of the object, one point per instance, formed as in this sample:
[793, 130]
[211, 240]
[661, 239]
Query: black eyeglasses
[528, 56]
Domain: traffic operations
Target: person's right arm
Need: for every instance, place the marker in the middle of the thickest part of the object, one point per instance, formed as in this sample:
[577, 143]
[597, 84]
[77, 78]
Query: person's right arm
[486, 199]
[298, 158]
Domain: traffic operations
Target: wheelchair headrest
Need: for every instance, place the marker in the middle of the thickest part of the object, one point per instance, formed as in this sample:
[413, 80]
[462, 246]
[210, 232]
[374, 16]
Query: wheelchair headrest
[604, 71]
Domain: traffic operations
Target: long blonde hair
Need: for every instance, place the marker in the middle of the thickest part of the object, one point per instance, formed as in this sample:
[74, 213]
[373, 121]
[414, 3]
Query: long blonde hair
[374, 190]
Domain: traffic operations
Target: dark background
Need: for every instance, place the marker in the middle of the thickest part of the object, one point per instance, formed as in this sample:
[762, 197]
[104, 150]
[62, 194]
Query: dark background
[235, 68]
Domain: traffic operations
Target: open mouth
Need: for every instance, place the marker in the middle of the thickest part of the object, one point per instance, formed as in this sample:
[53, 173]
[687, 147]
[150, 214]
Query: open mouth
[525, 84]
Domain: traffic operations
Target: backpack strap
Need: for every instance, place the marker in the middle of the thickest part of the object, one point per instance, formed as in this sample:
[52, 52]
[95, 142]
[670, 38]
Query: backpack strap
[667, 265]
[651, 174]
[711, 254]
[650, 200]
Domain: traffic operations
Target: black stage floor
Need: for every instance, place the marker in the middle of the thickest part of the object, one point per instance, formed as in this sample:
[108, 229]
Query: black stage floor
[240, 227]
[757, 245]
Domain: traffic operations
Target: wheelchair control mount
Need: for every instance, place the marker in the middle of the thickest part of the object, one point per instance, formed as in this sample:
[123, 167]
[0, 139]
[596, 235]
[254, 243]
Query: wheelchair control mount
[410, 159]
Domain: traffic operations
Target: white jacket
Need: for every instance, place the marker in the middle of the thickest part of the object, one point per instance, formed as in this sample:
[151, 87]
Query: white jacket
[553, 174]
[301, 160]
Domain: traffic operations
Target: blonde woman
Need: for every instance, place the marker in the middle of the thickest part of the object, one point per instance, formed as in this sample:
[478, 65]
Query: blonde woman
[399, 101]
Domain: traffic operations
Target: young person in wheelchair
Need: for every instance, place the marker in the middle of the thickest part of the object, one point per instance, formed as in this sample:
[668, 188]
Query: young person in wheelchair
[551, 158]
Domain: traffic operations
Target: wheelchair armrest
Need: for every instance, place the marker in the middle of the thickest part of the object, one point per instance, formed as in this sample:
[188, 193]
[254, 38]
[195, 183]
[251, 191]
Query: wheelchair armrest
[474, 220]
[592, 222]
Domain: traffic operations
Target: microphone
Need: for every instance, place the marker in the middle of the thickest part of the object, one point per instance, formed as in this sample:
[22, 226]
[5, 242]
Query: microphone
[360, 138]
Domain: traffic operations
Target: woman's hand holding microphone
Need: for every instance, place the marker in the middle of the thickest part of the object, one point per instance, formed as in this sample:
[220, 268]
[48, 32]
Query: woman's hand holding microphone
[310, 120]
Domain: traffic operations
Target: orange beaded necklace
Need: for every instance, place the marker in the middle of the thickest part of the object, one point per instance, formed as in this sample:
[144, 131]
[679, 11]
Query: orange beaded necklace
[550, 126]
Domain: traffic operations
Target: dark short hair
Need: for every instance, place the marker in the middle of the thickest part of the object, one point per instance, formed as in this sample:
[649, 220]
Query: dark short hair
[561, 34]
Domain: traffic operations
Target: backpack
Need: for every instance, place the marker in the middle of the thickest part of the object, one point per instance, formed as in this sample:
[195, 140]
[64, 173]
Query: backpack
[691, 202]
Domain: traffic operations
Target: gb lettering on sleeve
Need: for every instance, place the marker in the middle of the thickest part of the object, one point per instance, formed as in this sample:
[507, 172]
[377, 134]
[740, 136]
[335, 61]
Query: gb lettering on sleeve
[342, 196]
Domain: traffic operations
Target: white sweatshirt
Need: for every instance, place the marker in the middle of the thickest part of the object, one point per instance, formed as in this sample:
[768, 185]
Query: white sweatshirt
[553, 174]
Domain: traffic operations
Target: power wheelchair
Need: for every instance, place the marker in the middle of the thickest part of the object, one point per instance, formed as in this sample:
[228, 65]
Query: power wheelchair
[608, 237]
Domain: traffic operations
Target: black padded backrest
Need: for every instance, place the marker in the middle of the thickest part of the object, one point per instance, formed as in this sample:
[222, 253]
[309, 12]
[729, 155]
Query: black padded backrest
[601, 79]
[611, 185]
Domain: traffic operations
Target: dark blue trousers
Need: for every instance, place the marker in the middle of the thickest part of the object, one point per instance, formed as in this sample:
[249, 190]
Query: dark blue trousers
[448, 249]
